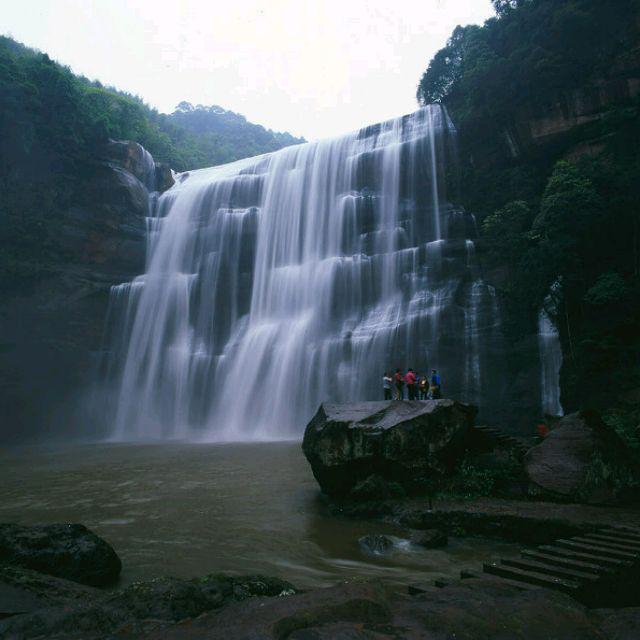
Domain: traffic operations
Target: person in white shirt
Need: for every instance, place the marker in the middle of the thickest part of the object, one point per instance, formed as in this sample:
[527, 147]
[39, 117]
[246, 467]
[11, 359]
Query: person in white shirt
[387, 381]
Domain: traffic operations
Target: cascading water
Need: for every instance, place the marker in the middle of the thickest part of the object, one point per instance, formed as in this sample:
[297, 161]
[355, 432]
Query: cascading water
[278, 282]
[550, 364]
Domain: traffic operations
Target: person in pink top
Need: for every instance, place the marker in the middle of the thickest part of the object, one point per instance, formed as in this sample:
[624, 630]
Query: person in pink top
[410, 381]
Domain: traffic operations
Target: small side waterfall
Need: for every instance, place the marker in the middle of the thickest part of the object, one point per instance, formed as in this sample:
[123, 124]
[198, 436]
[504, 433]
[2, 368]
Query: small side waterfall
[278, 282]
[148, 170]
[550, 364]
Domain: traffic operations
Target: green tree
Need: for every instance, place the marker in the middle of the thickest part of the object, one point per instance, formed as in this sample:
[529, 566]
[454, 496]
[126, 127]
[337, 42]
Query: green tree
[506, 234]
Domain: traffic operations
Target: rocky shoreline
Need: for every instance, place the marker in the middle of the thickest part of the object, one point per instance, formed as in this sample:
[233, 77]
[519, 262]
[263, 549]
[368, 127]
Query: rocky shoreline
[35, 604]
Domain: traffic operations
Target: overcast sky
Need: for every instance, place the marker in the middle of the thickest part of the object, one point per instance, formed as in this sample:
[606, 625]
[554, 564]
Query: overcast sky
[315, 68]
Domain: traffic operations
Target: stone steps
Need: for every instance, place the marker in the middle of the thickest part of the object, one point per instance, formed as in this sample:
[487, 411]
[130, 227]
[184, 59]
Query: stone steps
[600, 568]
[577, 554]
[496, 436]
[616, 543]
[587, 546]
[532, 577]
[552, 569]
[605, 537]
[566, 562]
[615, 538]
[622, 534]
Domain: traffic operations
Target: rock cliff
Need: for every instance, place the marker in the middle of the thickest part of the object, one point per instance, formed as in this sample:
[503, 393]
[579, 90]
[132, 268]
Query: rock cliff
[52, 330]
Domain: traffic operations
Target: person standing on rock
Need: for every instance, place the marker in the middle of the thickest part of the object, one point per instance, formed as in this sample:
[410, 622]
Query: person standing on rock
[410, 380]
[435, 385]
[399, 380]
[423, 387]
[387, 381]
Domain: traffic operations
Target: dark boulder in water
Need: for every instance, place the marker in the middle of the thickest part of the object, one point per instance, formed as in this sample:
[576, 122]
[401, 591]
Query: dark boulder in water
[67, 551]
[582, 459]
[407, 443]
[376, 544]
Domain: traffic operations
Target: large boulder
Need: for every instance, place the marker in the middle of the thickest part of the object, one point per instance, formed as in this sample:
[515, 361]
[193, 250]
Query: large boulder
[583, 460]
[408, 443]
[67, 551]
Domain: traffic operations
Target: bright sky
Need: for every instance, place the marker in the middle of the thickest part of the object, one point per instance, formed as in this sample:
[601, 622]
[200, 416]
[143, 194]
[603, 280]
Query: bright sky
[316, 68]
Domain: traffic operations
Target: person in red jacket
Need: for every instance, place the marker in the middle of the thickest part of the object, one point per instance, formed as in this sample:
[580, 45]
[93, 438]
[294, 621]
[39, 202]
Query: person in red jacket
[399, 382]
[410, 380]
[542, 431]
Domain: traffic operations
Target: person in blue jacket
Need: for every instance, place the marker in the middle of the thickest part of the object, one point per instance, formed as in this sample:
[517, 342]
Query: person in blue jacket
[435, 385]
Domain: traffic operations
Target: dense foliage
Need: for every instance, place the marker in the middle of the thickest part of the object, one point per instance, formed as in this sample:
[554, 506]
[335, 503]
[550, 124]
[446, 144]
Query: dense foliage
[52, 126]
[560, 215]
[216, 136]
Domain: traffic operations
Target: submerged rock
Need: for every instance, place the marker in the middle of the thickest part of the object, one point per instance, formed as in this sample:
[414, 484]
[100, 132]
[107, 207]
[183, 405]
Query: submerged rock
[67, 551]
[376, 544]
[583, 460]
[429, 538]
[407, 443]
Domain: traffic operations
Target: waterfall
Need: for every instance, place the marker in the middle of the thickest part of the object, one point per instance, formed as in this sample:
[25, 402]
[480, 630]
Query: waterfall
[147, 169]
[278, 282]
[550, 363]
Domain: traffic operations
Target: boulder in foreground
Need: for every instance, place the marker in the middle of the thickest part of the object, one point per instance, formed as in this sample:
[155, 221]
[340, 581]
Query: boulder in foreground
[583, 460]
[67, 551]
[404, 443]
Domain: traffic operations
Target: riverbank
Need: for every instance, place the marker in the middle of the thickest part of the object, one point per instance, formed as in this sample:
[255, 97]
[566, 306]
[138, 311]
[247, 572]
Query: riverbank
[233, 510]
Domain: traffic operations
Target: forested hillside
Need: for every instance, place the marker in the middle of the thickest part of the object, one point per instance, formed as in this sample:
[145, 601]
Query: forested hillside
[545, 97]
[52, 126]
[216, 136]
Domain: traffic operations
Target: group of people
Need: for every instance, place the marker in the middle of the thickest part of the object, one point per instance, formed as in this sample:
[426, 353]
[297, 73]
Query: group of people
[419, 387]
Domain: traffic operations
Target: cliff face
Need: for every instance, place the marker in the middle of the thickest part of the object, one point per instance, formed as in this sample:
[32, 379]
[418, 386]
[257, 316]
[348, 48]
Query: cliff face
[51, 331]
[559, 119]
[595, 123]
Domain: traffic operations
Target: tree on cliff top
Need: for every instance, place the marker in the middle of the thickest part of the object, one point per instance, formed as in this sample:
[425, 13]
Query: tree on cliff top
[503, 7]
[534, 48]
